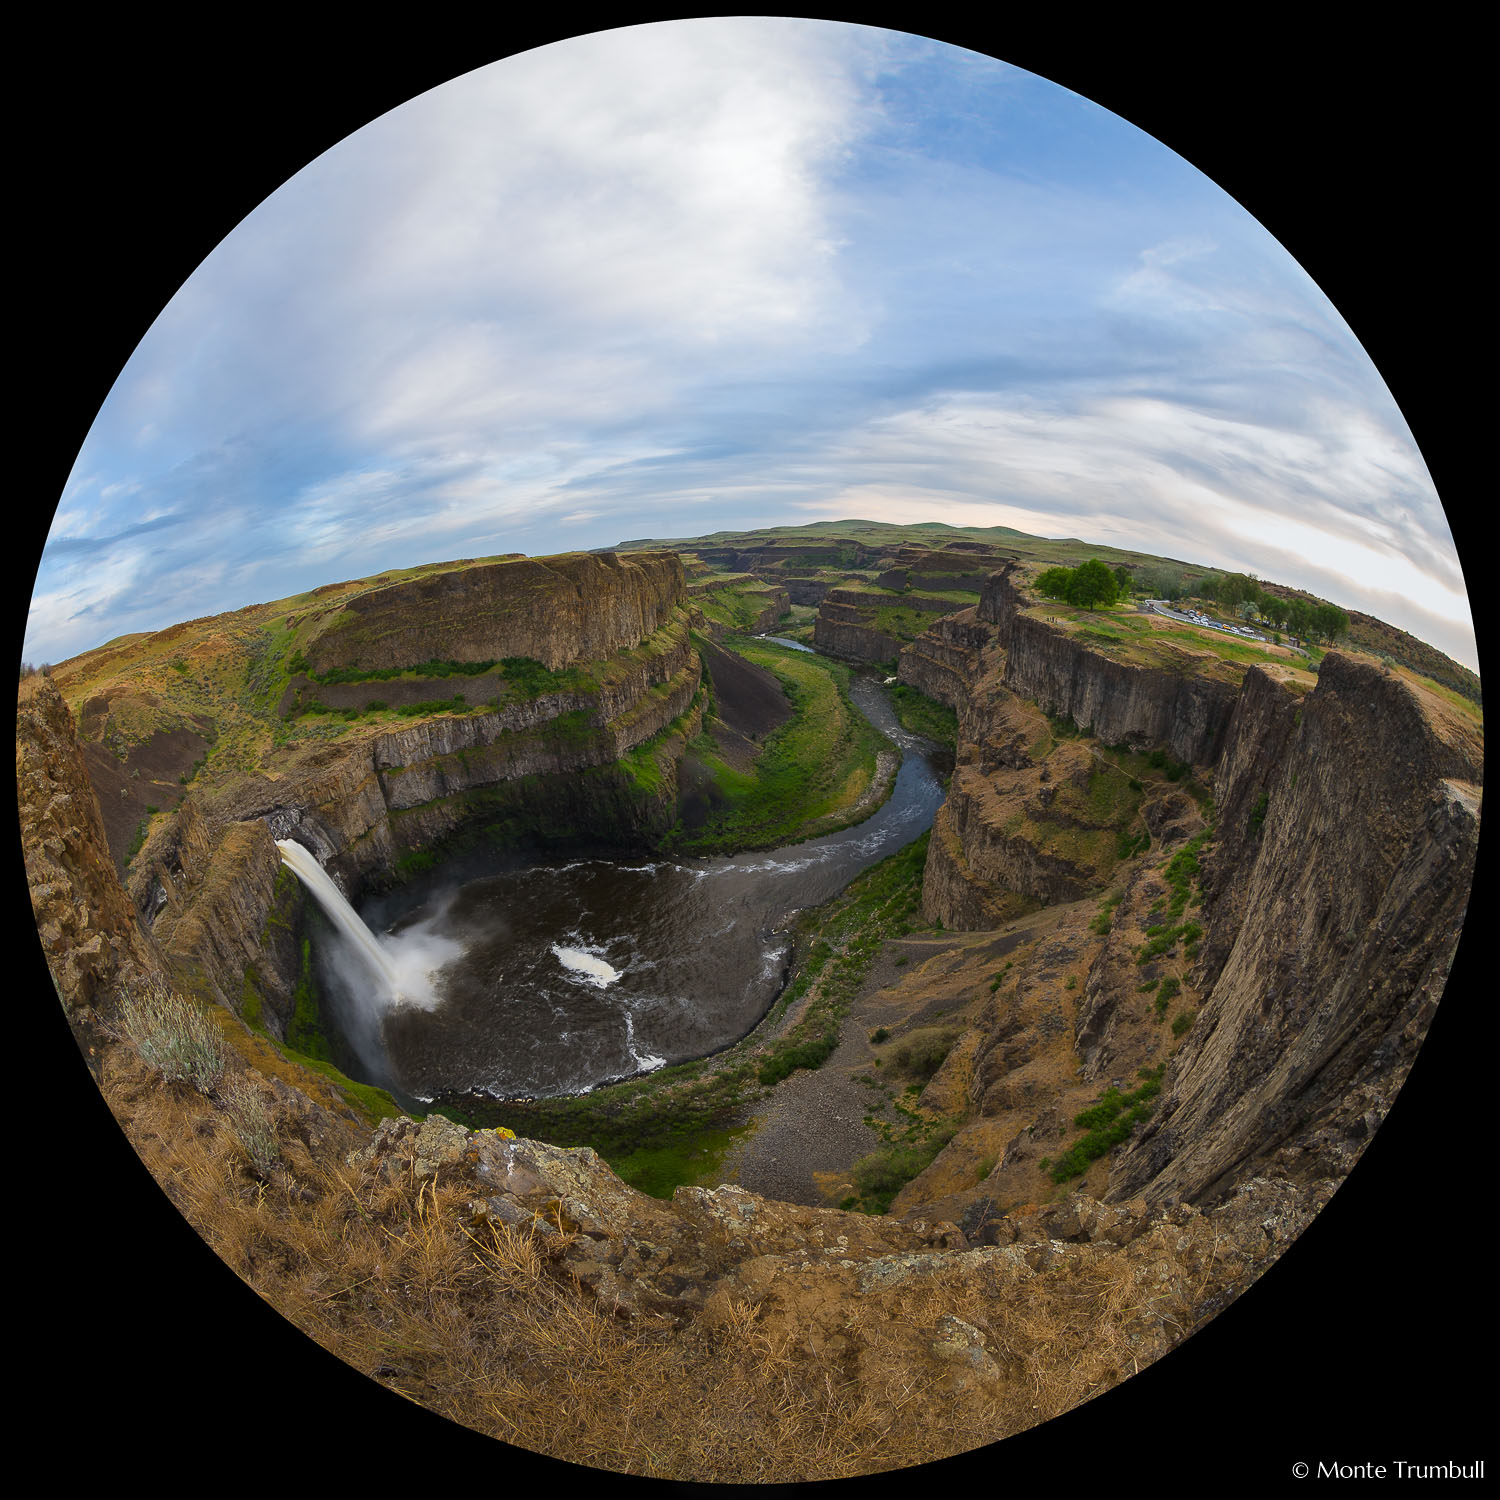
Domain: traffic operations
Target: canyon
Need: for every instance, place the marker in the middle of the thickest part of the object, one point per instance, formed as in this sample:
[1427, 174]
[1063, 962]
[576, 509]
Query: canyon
[1136, 824]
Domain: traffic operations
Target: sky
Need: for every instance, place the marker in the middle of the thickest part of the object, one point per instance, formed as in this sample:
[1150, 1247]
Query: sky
[731, 273]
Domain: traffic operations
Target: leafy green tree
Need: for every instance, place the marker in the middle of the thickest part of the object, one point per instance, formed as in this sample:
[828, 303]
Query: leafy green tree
[1329, 621]
[1092, 585]
[1054, 583]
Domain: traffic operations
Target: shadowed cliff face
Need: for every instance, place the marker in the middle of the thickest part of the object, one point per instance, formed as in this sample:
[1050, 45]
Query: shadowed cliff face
[1335, 900]
[556, 610]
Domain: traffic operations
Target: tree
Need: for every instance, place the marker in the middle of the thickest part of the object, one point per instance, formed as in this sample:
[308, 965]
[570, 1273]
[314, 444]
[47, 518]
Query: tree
[1092, 585]
[1329, 621]
[1054, 583]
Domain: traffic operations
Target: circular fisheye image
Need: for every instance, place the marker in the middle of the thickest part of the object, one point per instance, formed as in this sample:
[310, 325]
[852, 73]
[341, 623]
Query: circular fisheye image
[749, 750]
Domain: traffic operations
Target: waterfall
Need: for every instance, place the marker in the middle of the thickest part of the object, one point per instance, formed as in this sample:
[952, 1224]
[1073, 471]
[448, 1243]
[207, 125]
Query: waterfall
[370, 976]
[344, 917]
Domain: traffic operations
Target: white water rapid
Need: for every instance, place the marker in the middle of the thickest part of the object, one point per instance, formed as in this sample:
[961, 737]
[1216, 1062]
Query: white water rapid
[593, 968]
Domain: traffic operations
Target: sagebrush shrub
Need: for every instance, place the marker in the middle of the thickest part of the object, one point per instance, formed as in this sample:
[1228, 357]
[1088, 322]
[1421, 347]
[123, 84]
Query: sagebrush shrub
[174, 1036]
[251, 1122]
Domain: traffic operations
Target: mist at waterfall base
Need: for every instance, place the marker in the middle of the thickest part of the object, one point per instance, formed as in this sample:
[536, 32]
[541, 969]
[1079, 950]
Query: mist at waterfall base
[365, 977]
[561, 975]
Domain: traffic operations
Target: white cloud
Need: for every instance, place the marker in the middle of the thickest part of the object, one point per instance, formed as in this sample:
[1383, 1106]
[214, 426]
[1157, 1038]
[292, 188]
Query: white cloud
[1315, 508]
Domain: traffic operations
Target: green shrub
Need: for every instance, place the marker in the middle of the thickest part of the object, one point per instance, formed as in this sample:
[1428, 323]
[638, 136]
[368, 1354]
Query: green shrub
[1109, 1122]
[174, 1036]
[454, 705]
[922, 1054]
[884, 1172]
[138, 839]
[789, 1056]
[879, 1035]
[1169, 987]
[1182, 1023]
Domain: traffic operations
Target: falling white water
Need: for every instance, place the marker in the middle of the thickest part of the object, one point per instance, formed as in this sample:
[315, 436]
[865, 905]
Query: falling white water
[401, 969]
[343, 916]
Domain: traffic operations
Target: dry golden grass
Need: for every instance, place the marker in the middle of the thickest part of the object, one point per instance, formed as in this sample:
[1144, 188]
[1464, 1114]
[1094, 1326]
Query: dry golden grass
[479, 1323]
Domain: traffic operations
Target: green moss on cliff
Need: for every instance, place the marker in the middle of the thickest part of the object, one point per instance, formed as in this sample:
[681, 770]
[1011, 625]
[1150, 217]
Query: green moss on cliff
[304, 1032]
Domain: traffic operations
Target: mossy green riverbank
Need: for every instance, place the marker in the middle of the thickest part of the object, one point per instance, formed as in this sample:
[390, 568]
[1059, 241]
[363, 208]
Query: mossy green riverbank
[809, 777]
[922, 715]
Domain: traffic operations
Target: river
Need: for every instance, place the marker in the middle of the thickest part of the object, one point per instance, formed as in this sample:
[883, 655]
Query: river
[576, 972]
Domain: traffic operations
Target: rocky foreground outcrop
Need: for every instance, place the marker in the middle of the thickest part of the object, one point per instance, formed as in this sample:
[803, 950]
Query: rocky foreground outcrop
[981, 1333]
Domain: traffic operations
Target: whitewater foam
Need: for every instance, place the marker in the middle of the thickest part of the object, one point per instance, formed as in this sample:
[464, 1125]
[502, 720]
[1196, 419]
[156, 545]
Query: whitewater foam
[589, 966]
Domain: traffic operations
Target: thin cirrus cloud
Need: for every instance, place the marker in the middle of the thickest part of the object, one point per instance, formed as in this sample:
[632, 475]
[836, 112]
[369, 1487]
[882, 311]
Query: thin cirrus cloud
[735, 273]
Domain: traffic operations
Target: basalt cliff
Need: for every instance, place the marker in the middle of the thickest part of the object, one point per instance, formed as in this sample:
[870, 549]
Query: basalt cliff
[1310, 842]
[546, 699]
[1208, 907]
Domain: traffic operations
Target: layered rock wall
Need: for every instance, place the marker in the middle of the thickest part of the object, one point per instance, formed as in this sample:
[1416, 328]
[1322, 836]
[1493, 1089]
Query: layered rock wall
[213, 890]
[1184, 710]
[556, 610]
[845, 630]
[1341, 886]
[945, 661]
[361, 807]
